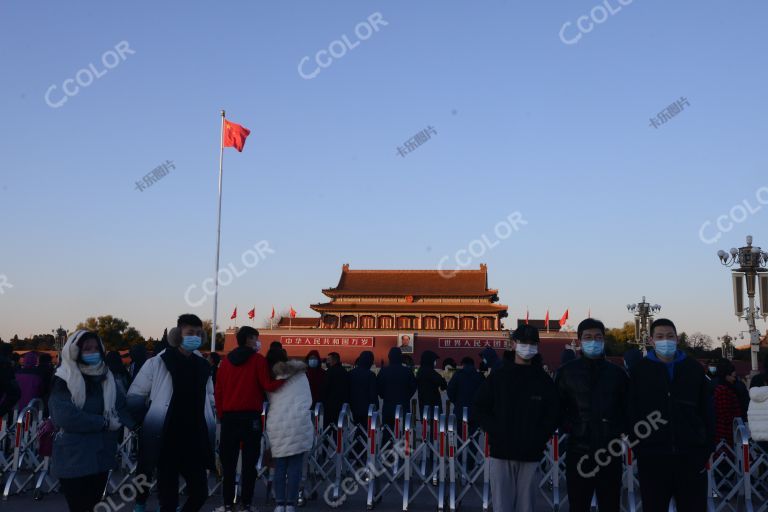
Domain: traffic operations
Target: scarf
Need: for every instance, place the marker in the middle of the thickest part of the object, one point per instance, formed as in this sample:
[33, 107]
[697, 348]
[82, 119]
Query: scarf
[71, 372]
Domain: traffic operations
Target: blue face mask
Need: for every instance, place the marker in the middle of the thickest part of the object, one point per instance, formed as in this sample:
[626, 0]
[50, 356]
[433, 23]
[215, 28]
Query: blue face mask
[593, 348]
[191, 343]
[665, 348]
[313, 363]
[93, 358]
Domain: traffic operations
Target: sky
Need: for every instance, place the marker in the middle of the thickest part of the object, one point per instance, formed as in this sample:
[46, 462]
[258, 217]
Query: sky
[541, 110]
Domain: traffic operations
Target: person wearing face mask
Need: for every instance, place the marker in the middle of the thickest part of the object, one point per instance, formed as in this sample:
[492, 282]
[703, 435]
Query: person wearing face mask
[316, 376]
[88, 409]
[175, 390]
[242, 383]
[336, 392]
[727, 406]
[490, 360]
[517, 407]
[672, 430]
[592, 394]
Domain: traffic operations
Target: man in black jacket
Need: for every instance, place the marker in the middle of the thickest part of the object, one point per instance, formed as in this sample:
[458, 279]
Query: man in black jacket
[395, 385]
[593, 396]
[9, 388]
[517, 407]
[462, 388]
[336, 391]
[670, 424]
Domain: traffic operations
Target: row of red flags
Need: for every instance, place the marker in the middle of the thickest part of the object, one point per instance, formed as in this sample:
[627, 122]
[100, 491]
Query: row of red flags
[563, 319]
[252, 313]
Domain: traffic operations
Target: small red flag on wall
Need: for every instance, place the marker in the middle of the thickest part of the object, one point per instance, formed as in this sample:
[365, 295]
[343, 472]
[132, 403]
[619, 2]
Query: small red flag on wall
[252, 313]
[293, 312]
[564, 318]
[234, 314]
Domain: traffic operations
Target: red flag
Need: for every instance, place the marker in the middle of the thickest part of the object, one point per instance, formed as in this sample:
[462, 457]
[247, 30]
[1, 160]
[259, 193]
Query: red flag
[564, 318]
[273, 312]
[252, 313]
[234, 314]
[234, 135]
[546, 321]
[293, 312]
[526, 316]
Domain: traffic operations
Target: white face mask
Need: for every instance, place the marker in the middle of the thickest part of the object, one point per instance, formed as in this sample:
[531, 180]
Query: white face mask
[526, 351]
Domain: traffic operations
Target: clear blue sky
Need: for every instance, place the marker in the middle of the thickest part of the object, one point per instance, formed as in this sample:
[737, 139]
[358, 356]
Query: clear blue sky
[524, 123]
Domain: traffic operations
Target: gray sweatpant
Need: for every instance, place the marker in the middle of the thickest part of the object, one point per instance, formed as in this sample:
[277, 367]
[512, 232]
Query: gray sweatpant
[514, 485]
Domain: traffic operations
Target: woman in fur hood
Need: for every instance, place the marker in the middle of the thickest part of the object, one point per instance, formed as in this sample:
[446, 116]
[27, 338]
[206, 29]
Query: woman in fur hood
[289, 426]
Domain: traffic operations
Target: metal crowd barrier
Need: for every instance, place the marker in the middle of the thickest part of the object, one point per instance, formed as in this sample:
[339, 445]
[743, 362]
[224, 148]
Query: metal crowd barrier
[437, 456]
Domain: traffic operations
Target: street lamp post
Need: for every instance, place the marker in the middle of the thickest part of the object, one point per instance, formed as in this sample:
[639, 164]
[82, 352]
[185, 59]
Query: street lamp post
[643, 312]
[61, 337]
[726, 348]
[750, 270]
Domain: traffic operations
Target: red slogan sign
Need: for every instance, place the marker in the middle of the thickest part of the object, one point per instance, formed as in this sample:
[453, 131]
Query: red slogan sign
[326, 341]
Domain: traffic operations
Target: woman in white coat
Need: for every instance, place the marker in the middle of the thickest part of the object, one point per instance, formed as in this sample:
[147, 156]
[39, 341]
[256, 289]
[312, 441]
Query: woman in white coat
[289, 426]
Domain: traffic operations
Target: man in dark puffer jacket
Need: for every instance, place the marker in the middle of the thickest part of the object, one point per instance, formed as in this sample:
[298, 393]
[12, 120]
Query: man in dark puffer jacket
[671, 425]
[593, 395]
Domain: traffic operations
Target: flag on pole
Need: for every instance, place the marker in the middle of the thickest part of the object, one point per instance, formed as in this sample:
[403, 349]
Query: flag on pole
[293, 312]
[234, 314]
[273, 312]
[234, 135]
[564, 318]
[546, 320]
[252, 313]
[526, 316]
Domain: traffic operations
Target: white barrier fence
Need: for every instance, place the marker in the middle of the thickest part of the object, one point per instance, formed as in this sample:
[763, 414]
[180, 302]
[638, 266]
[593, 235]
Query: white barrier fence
[442, 457]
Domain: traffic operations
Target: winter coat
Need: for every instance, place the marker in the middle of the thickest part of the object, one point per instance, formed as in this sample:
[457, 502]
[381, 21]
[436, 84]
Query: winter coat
[429, 382]
[336, 392]
[316, 377]
[243, 381]
[462, 389]
[362, 387]
[9, 388]
[491, 358]
[82, 446]
[593, 398]
[681, 403]
[395, 384]
[31, 385]
[289, 422]
[727, 408]
[153, 388]
[758, 413]
[517, 406]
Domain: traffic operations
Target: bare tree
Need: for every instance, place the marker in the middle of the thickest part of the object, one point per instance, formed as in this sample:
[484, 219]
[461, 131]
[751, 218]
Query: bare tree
[699, 341]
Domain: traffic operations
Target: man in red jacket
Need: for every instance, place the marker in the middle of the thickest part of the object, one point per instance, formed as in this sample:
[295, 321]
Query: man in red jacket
[241, 385]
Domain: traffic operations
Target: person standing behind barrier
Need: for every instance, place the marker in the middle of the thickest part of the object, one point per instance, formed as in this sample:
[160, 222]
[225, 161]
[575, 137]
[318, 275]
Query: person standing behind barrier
[138, 355]
[395, 384]
[336, 391]
[727, 406]
[30, 379]
[243, 381]
[114, 362]
[429, 382]
[490, 359]
[88, 409]
[362, 385]
[462, 389]
[316, 376]
[179, 429]
[593, 393]
[289, 427]
[674, 433]
[517, 407]
[9, 387]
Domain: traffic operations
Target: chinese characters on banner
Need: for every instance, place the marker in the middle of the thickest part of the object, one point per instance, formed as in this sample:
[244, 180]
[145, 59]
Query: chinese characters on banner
[326, 341]
[416, 141]
[499, 343]
[669, 112]
[158, 173]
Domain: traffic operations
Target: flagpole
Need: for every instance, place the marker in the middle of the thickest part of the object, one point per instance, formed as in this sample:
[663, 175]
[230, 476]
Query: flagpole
[218, 238]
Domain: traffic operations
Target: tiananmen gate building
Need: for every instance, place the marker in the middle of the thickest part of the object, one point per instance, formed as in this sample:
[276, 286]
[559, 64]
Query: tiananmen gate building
[453, 314]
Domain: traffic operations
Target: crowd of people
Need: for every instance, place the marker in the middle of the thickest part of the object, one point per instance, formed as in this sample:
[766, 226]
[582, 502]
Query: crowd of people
[672, 410]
